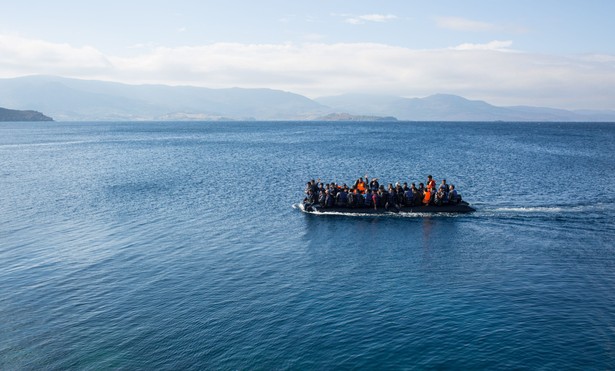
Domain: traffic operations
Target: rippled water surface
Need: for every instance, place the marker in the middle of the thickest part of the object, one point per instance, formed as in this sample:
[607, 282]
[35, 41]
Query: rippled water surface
[178, 246]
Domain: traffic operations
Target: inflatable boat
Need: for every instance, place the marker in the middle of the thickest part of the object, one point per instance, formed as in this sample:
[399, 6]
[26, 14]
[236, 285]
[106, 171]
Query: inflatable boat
[461, 207]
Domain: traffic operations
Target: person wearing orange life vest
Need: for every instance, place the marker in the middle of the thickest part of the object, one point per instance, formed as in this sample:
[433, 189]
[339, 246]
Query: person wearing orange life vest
[431, 184]
[427, 196]
[360, 185]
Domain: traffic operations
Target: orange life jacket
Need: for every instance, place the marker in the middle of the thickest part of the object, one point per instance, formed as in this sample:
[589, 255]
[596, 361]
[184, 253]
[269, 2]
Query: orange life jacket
[427, 197]
[361, 187]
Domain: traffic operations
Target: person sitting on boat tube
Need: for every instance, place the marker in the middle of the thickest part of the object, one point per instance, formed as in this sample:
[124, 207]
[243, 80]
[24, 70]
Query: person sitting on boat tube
[342, 198]
[375, 199]
[391, 199]
[441, 197]
[427, 196]
[453, 196]
[367, 201]
[444, 185]
[408, 196]
[309, 200]
[322, 198]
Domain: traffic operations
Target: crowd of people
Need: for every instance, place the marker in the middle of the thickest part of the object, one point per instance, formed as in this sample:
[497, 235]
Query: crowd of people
[371, 194]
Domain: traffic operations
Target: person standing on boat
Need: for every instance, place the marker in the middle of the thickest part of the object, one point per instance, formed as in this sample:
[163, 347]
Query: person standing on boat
[374, 185]
[360, 185]
[431, 184]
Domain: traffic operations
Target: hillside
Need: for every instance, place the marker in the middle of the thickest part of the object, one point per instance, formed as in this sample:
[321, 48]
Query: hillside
[16, 115]
[85, 100]
[446, 107]
[73, 99]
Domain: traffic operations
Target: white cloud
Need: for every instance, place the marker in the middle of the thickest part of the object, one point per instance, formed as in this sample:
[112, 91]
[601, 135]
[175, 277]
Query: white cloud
[478, 71]
[462, 24]
[19, 54]
[492, 45]
[361, 19]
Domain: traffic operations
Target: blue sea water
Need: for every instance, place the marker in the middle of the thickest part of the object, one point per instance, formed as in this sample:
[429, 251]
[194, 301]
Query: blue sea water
[179, 246]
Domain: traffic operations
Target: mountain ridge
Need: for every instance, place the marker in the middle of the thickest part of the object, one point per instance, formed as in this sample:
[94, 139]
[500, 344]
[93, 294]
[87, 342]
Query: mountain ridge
[68, 99]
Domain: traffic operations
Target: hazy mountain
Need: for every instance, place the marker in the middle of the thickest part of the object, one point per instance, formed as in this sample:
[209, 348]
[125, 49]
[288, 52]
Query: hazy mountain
[445, 107]
[17, 115]
[73, 99]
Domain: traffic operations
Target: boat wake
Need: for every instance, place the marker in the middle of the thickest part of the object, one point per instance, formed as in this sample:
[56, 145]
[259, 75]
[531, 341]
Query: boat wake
[401, 214]
[555, 209]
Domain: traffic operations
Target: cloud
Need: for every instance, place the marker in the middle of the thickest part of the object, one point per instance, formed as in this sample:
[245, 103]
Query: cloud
[478, 71]
[492, 45]
[462, 24]
[18, 54]
[361, 19]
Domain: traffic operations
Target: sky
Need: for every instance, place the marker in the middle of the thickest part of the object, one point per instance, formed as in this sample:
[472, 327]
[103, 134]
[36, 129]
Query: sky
[549, 53]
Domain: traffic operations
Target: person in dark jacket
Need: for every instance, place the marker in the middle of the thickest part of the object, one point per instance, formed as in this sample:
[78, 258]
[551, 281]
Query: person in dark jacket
[374, 185]
[391, 199]
[367, 201]
[342, 198]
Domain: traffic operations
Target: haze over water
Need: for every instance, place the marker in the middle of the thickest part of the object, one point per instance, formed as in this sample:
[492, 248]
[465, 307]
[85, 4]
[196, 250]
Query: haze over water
[177, 245]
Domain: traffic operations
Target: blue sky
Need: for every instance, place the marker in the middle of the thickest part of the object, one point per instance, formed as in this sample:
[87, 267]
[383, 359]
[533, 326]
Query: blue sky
[551, 53]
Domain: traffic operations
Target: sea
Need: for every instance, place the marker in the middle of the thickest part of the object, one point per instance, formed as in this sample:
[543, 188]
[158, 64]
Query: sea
[180, 245]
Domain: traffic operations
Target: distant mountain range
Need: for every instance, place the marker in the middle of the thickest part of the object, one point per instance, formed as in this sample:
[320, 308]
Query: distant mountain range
[16, 115]
[88, 100]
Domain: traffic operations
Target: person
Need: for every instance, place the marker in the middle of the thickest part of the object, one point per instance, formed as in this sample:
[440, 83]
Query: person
[368, 198]
[360, 185]
[453, 196]
[330, 199]
[375, 199]
[417, 195]
[322, 198]
[441, 197]
[374, 185]
[382, 196]
[315, 186]
[351, 198]
[333, 189]
[408, 196]
[308, 187]
[444, 185]
[359, 199]
[342, 198]
[391, 199]
[399, 194]
[309, 200]
[431, 184]
[427, 197]
[421, 188]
